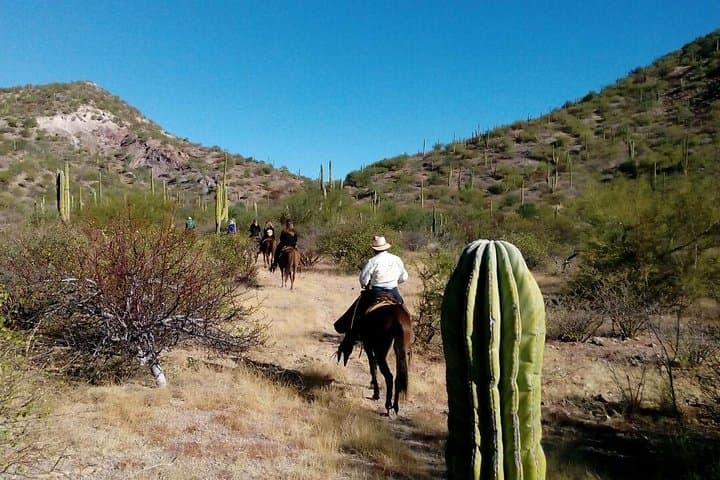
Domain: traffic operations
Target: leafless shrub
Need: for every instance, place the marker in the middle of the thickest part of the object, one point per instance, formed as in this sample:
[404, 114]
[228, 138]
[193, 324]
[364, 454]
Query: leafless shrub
[434, 273]
[125, 290]
[709, 382]
[625, 305]
[572, 319]
[668, 333]
[699, 344]
[22, 449]
[414, 240]
[630, 387]
[309, 257]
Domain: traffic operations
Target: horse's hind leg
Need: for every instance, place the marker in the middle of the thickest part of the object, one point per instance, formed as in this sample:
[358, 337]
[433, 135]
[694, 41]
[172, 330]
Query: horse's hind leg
[372, 362]
[385, 370]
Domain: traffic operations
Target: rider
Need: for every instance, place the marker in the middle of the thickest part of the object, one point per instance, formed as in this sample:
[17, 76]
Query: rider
[255, 229]
[190, 224]
[288, 238]
[384, 271]
[380, 275]
[269, 230]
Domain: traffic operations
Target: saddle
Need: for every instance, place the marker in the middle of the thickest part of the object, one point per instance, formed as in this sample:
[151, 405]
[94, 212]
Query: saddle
[380, 300]
[287, 249]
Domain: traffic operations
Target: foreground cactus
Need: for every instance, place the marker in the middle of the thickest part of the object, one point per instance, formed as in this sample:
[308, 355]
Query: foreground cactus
[493, 330]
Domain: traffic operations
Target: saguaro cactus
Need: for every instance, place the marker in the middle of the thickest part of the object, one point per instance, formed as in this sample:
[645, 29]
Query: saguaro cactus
[221, 200]
[63, 193]
[493, 330]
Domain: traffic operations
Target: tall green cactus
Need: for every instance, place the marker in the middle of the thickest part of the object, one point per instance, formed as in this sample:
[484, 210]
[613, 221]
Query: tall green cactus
[221, 200]
[62, 185]
[493, 330]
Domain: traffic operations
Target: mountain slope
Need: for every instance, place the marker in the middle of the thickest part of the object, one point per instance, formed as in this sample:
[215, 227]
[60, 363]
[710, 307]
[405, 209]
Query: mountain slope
[103, 137]
[660, 119]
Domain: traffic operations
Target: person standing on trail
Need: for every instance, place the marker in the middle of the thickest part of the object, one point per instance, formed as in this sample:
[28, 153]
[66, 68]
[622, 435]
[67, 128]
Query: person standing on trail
[288, 238]
[384, 271]
[232, 227]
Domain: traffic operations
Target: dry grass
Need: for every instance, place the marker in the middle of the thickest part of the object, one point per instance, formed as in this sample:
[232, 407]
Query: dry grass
[290, 411]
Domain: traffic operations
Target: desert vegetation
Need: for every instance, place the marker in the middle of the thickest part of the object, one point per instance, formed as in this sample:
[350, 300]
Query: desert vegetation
[611, 199]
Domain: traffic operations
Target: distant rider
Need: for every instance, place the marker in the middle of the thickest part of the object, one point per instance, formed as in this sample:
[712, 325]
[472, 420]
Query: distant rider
[288, 238]
[255, 230]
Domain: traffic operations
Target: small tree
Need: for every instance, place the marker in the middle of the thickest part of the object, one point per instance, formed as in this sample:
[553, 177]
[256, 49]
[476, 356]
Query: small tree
[126, 290]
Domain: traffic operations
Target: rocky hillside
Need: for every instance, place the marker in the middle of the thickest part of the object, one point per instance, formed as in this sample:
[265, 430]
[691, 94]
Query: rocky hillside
[662, 119]
[107, 140]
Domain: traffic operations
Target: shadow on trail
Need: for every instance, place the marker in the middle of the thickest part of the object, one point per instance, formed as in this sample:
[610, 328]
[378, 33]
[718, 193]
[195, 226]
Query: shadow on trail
[306, 384]
[604, 452]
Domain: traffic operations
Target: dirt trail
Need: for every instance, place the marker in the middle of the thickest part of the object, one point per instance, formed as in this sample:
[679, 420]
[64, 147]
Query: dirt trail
[303, 338]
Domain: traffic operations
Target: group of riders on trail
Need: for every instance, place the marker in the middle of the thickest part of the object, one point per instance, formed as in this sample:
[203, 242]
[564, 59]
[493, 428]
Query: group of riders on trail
[379, 277]
[288, 238]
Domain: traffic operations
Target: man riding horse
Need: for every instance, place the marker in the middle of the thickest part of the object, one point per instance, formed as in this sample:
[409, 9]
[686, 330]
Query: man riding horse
[379, 279]
[288, 238]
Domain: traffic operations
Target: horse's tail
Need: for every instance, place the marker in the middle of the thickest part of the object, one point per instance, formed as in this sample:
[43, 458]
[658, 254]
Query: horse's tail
[402, 343]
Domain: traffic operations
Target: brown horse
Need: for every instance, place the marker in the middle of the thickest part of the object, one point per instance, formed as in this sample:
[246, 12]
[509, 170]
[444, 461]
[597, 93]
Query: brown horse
[267, 248]
[388, 325]
[288, 262]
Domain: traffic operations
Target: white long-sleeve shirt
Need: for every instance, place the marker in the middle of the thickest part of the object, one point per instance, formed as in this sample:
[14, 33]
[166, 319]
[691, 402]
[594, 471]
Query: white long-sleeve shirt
[383, 270]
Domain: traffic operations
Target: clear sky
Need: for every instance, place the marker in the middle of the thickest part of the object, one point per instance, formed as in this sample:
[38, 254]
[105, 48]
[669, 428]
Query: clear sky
[300, 83]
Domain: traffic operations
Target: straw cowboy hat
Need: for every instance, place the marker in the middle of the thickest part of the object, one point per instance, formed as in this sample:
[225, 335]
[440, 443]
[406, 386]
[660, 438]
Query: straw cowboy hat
[380, 244]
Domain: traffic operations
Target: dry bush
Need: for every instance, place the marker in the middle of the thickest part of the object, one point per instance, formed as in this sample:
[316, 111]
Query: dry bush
[23, 446]
[239, 252]
[630, 387]
[572, 320]
[124, 290]
[625, 305]
[309, 257]
[699, 344]
[434, 272]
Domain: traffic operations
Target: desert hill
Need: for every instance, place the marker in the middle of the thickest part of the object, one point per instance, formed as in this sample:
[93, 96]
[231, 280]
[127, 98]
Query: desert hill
[107, 140]
[662, 119]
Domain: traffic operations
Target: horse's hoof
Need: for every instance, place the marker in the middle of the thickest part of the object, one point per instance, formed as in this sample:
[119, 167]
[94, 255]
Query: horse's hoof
[376, 396]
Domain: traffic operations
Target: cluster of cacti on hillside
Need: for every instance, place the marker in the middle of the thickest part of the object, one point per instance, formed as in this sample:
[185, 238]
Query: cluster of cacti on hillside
[493, 330]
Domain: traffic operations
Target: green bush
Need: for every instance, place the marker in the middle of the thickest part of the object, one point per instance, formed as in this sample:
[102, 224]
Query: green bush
[348, 245]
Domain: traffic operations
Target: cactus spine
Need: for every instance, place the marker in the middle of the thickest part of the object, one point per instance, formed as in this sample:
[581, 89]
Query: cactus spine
[63, 193]
[493, 330]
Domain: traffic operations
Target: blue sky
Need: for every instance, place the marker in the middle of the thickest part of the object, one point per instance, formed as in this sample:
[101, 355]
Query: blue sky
[301, 83]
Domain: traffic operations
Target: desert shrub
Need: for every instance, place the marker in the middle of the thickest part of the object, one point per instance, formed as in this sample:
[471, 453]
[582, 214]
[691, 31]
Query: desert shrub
[534, 248]
[414, 240]
[528, 210]
[699, 344]
[572, 319]
[630, 386]
[125, 290]
[434, 272]
[237, 251]
[348, 245]
[496, 188]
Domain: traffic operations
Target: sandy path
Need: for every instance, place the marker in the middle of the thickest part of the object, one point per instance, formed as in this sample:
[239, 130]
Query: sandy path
[303, 338]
